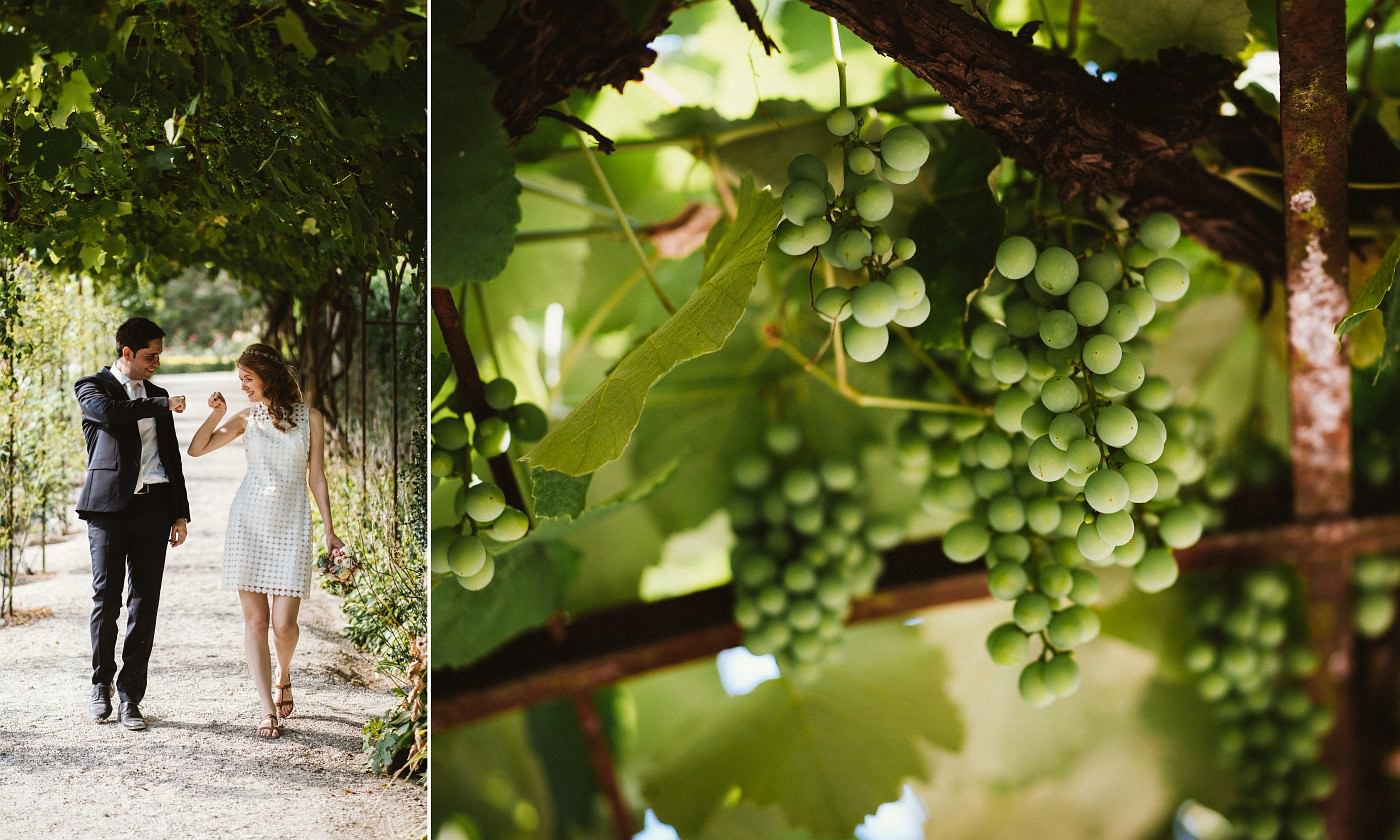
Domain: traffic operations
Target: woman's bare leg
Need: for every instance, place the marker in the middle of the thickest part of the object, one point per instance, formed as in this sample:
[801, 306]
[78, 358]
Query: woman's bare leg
[285, 633]
[255, 623]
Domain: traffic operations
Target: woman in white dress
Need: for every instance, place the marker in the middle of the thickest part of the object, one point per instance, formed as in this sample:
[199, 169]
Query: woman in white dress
[268, 555]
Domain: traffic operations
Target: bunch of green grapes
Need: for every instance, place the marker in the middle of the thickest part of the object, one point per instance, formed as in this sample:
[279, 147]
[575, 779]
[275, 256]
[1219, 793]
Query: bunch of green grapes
[482, 519]
[805, 548]
[1251, 662]
[845, 228]
[1080, 461]
[1374, 580]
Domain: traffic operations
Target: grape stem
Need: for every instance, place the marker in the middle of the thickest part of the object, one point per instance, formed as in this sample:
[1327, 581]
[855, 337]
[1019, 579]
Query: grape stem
[839, 57]
[840, 386]
[621, 218]
[930, 364]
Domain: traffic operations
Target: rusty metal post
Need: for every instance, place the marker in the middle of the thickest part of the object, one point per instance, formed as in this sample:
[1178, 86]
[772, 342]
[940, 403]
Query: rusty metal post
[1313, 112]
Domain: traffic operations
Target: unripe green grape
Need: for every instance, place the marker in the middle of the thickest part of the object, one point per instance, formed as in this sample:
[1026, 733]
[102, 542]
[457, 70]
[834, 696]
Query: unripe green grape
[1006, 581]
[528, 422]
[880, 242]
[1035, 421]
[1012, 548]
[485, 502]
[1129, 375]
[466, 555]
[988, 338]
[1058, 329]
[1046, 461]
[1043, 514]
[1023, 318]
[1083, 455]
[1147, 446]
[904, 147]
[803, 200]
[510, 526]
[1142, 482]
[816, 231]
[1032, 687]
[1007, 645]
[1167, 279]
[908, 285]
[839, 474]
[1102, 353]
[1306, 824]
[915, 315]
[1376, 571]
[808, 167]
[904, 248]
[1116, 425]
[1159, 231]
[1138, 255]
[1091, 545]
[500, 393]
[442, 464]
[1060, 394]
[1374, 612]
[966, 541]
[1088, 303]
[1103, 270]
[751, 471]
[791, 239]
[874, 201]
[1016, 257]
[1056, 270]
[1008, 408]
[899, 176]
[861, 160]
[1106, 491]
[834, 303]
[753, 569]
[450, 433]
[1008, 365]
[841, 122]
[1155, 394]
[1055, 581]
[1272, 632]
[782, 438]
[801, 486]
[1032, 612]
[853, 246]
[1121, 322]
[492, 437]
[1199, 656]
[1086, 589]
[994, 451]
[1180, 527]
[1065, 630]
[884, 533]
[1115, 528]
[478, 581]
[442, 540]
[1061, 675]
[1006, 514]
[865, 344]
[1156, 571]
[1143, 304]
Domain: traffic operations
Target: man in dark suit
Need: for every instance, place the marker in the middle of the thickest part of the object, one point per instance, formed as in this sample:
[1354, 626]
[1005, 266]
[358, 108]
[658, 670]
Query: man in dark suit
[135, 505]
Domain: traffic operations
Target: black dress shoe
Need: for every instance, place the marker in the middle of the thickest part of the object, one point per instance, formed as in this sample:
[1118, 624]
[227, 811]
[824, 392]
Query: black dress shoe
[100, 706]
[130, 716]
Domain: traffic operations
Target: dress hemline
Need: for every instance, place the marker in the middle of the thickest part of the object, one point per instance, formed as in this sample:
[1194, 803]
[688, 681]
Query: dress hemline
[264, 590]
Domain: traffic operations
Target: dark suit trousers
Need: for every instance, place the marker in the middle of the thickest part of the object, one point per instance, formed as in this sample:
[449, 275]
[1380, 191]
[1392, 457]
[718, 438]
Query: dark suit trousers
[129, 543]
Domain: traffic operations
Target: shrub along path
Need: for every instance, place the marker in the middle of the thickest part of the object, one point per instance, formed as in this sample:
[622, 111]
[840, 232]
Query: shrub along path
[199, 770]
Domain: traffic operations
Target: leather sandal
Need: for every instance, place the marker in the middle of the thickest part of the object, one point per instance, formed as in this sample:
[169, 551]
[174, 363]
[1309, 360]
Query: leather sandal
[269, 728]
[283, 700]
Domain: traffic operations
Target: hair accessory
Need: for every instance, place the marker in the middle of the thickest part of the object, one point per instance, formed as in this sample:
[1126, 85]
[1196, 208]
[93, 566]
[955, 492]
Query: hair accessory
[265, 355]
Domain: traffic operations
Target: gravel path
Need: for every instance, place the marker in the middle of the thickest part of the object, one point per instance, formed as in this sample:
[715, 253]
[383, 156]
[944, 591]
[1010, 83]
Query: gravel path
[199, 770]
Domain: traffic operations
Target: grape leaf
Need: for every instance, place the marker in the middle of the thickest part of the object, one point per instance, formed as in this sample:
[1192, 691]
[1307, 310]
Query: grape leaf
[558, 495]
[597, 431]
[475, 197]
[957, 235]
[525, 590]
[823, 753]
[1374, 291]
[75, 97]
[1142, 27]
[554, 528]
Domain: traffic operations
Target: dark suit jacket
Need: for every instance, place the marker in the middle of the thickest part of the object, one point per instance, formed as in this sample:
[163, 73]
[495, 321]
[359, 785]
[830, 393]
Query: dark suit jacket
[114, 444]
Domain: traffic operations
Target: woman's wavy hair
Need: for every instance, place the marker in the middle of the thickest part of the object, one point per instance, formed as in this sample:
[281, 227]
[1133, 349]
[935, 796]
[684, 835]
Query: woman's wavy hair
[279, 382]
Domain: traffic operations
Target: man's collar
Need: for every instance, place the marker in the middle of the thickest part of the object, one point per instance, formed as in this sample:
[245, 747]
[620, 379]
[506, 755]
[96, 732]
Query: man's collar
[121, 377]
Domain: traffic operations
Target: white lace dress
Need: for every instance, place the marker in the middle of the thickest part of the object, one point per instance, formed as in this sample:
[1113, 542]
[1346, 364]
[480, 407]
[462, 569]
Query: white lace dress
[269, 524]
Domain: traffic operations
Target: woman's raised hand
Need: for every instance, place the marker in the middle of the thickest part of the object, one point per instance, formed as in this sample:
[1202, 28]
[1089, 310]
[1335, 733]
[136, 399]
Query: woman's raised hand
[217, 402]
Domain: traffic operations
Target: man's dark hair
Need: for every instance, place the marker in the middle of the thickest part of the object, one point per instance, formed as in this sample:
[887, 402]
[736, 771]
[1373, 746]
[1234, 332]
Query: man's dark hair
[136, 333]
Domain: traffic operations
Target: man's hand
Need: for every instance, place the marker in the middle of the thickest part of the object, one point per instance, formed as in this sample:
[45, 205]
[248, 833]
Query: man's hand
[178, 532]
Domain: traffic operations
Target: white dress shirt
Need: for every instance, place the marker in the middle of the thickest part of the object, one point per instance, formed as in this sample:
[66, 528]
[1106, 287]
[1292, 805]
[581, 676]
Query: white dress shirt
[152, 471]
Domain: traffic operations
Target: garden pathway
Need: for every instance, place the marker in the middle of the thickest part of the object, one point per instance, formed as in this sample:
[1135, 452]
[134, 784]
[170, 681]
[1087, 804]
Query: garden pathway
[199, 770]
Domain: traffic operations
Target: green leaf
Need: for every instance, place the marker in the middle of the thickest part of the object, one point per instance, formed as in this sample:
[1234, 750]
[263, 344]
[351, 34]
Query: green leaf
[526, 589]
[1374, 291]
[75, 97]
[552, 529]
[293, 33]
[558, 495]
[957, 235]
[824, 753]
[597, 431]
[475, 197]
[1143, 27]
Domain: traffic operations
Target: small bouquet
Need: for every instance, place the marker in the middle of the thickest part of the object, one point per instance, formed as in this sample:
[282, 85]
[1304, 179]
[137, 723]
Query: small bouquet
[339, 567]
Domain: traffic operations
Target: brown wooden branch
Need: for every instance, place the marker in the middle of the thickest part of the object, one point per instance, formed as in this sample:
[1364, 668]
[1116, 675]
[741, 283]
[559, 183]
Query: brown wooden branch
[611, 645]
